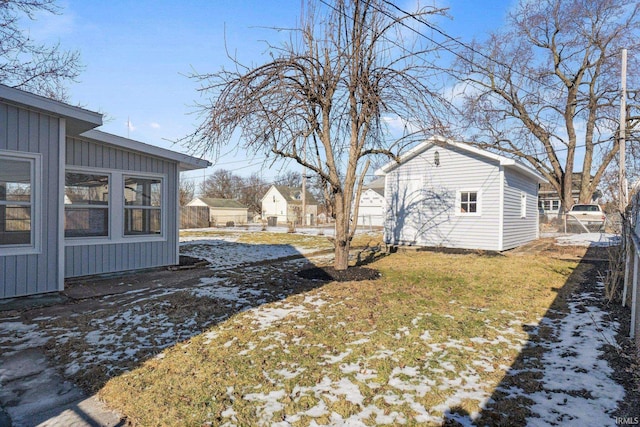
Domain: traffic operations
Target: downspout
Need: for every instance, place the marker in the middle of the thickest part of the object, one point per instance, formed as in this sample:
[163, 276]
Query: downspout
[501, 210]
[177, 219]
[62, 149]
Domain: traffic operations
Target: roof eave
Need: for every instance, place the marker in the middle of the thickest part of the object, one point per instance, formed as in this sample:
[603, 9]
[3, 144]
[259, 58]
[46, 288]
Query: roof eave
[78, 119]
[185, 162]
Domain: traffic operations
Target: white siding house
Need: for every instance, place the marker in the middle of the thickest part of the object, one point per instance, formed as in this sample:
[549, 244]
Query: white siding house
[372, 205]
[75, 201]
[222, 211]
[449, 194]
[285, 205]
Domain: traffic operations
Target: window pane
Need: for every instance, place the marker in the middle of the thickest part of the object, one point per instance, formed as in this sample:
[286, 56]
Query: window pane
[468, 202]
[142, 221]
[142, 192]
[15, 180]
[85, 189]
[15, 225]
[87, 222]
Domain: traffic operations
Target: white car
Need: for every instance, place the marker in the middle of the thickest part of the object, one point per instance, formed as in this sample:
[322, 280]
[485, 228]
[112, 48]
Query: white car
[590, 215]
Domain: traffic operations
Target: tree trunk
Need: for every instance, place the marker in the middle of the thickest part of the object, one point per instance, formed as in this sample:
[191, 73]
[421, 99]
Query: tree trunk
[342, 243]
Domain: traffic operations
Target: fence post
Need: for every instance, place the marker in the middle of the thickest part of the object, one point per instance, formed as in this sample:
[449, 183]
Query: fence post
[634, 298]
[628, 251]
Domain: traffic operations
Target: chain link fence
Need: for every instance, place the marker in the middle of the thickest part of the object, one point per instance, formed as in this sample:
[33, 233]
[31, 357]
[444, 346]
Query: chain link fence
[572, 224]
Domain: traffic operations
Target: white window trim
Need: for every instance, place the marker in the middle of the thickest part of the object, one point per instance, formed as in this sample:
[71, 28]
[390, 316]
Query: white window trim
[35, 247]
[99, 239]
[116, 209]
[163, 208]
[478, 204]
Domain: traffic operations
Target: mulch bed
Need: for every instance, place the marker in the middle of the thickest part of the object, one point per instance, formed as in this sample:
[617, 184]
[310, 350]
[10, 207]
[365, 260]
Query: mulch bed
[331, 274]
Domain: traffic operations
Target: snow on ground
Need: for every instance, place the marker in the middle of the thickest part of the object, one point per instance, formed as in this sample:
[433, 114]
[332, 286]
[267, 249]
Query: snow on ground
[576, 384]
[587, 239]
[225, 254]
[577, 388]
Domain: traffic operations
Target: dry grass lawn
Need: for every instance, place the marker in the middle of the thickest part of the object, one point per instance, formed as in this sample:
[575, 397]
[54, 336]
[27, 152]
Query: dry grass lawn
[435, 332]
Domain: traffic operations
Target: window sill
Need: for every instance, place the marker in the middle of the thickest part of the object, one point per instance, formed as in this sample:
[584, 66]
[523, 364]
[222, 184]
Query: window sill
[19, 250]
[79, 241]
[473, 215]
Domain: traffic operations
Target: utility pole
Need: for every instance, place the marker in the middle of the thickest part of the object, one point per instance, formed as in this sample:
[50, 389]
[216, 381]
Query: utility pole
[623, 129]
[304, 185]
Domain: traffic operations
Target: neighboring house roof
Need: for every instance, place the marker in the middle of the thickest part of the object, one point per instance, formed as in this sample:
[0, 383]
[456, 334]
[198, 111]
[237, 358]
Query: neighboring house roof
[547, 188]
[222, 203]
[376, 185]
[444, 142]
[78, 119]
[293, 195]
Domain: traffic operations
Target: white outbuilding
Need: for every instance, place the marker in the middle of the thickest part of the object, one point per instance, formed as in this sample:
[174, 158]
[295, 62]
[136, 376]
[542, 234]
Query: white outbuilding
[451, 194]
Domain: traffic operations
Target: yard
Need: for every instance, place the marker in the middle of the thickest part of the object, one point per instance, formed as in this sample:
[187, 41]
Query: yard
[514, 339]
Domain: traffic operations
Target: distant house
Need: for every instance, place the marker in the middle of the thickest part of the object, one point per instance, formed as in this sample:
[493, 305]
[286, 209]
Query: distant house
[549, 199]
[450, 194]
[372, 206]
[222, 211]
[283, 205]
[75, 201]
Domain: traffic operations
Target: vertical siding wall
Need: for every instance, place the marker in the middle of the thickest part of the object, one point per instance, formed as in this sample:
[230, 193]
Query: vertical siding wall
[518, 230]
[28, 131]
[421, 199]
[112, 257]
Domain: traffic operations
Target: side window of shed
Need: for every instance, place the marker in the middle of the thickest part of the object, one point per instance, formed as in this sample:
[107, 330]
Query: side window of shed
[468, 203]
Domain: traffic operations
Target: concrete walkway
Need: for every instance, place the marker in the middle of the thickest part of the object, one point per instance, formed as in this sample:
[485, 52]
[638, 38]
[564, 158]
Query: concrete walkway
[34, 394]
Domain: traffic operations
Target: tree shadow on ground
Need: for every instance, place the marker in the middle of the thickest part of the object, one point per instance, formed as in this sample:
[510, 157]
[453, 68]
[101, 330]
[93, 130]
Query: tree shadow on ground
[511, 402]
[101, 327]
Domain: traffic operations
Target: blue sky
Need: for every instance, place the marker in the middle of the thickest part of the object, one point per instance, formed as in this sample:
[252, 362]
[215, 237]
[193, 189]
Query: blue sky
[137, 55]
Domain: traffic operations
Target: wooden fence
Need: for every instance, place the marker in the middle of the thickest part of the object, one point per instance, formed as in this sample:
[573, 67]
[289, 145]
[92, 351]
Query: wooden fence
[194, 217]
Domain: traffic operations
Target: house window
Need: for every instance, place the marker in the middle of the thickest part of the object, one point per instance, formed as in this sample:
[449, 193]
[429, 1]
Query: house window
[86, 205]
[17, 200]
[549, 205]
[142, 206]
[523, 205]
[468, 202]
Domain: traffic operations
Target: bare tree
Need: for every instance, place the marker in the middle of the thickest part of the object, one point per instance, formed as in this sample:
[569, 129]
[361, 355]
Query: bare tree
[24, 63]
[324, 98]
[547, 88]
[252, 191]
[289, 179]
[186, 191]
[221, 184]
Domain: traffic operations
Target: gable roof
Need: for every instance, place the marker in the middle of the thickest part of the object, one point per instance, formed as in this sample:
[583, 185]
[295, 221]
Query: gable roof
[444, 142]
[78, 119]
[293, 195]
[222, 203]
[376, 185]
